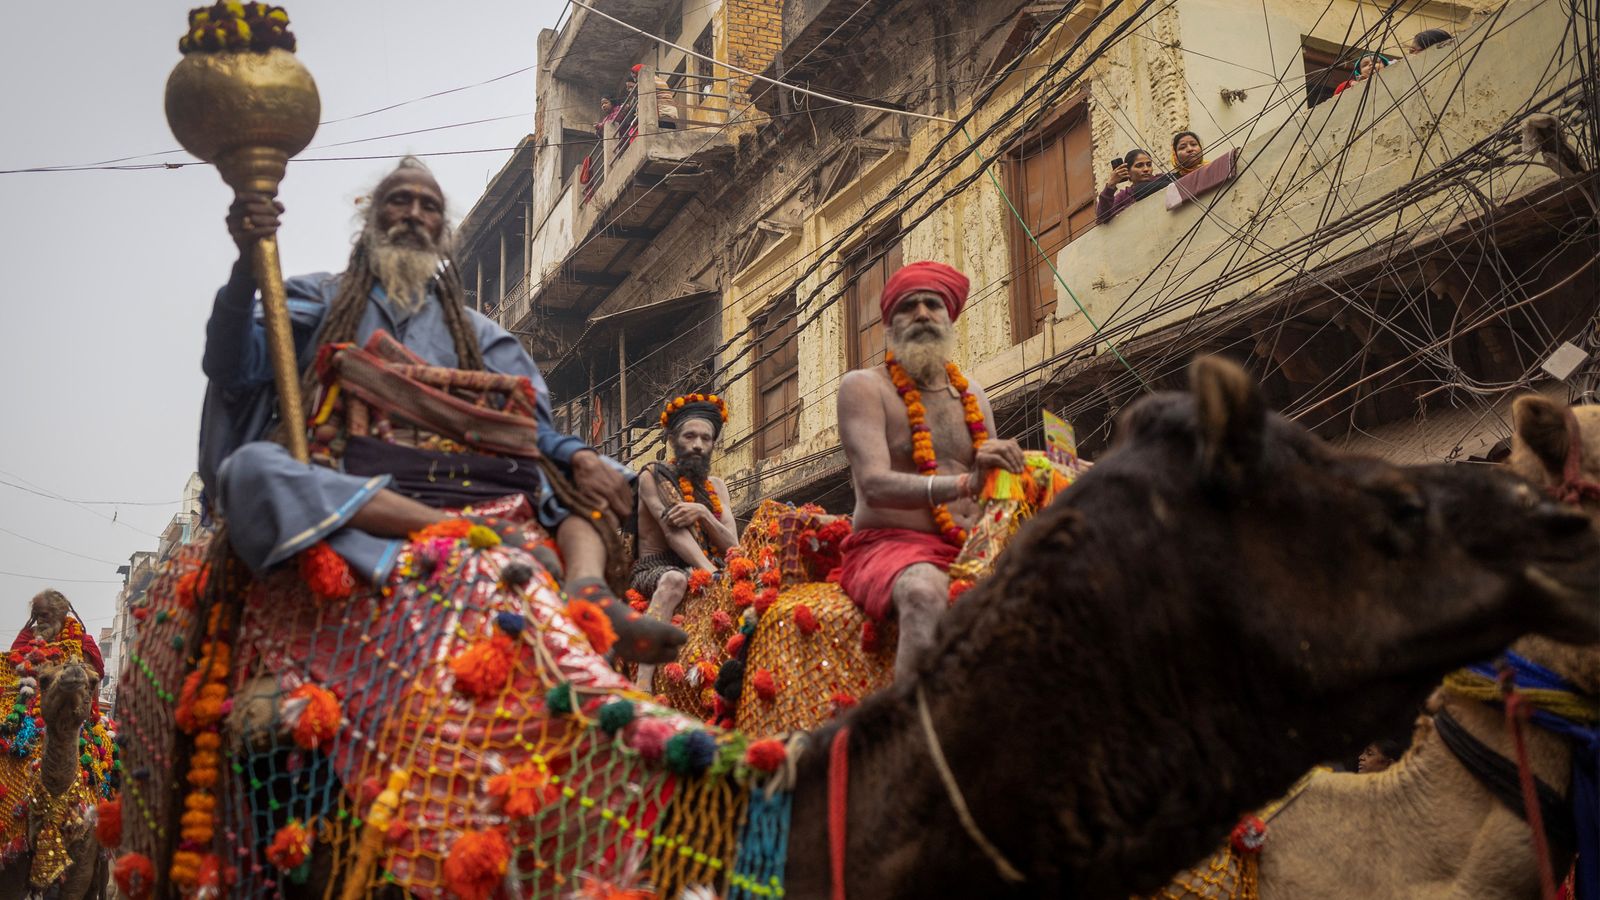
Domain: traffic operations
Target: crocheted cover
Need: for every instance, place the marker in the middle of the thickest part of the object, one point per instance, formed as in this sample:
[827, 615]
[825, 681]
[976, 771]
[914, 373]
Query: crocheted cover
[599, 791]
[22, 737]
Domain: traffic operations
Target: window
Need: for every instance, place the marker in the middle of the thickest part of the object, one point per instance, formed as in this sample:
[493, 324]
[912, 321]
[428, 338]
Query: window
[1327, 64]
[1051, 183]
[777, 381]
[865, 275]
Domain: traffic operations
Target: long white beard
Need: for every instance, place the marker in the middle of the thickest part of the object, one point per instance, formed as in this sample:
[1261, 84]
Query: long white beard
[403, 271]
[924, 353]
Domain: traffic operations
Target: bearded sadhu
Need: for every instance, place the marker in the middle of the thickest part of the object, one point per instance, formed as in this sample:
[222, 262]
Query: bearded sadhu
[919, 438]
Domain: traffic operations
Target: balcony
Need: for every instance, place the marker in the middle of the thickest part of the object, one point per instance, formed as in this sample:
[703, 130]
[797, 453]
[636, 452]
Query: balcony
[653, 157]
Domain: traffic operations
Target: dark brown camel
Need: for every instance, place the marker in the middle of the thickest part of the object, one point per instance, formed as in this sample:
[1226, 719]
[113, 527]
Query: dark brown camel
[1222, 602]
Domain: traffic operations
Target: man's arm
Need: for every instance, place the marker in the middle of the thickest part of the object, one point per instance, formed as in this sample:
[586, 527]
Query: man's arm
[679, 540]
[863, 430]
[721, 530]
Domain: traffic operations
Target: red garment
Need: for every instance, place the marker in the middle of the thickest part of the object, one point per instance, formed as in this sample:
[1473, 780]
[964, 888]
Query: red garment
[91, 650]
[925, 276]
[872, 559]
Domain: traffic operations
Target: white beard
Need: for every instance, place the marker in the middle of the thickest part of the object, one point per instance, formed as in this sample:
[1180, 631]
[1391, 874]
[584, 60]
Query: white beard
[404, 272]
[924, 355]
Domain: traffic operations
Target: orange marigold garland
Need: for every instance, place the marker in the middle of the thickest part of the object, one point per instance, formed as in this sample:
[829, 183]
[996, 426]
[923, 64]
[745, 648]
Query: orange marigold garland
[594, 624]
[678, 403]
[319, 718]
[326, 573]
[200, 708]
[922, 437]
[476, 864]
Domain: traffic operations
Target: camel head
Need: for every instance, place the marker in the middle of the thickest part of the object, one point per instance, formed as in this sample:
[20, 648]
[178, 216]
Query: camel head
[1542, 442]
[66, 694]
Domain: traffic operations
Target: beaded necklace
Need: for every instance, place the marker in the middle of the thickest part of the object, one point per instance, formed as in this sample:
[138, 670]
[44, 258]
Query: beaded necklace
[922, 438]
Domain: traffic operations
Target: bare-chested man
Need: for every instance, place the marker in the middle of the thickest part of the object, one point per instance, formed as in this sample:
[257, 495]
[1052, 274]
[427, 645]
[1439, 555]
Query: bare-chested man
[912, 511]
[685, 519]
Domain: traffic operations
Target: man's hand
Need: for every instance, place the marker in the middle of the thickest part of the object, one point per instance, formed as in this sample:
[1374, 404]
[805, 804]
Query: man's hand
[685, 515]
[252, 217]
[592, 474]
[998, 454]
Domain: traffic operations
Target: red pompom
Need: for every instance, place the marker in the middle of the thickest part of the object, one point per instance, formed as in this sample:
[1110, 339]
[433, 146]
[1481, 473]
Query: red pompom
[765, 599]
[135, 875]
[1248, 835]
[870, 640]
[483, 669]
[523, 790]
[191, 586]
[734, 645]
[841, 701]
[772, 578]
[766, 688]
[805, 619]
[326, 572]
[673, 673]
[721, 622]
[319, 720]
[476, 864]
[108, 822]
[290, 846]
[766, 756]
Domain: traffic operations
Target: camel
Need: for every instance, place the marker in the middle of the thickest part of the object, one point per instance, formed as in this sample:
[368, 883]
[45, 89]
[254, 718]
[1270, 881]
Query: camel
[67, 692]
[1428, 827]
[1222, 601]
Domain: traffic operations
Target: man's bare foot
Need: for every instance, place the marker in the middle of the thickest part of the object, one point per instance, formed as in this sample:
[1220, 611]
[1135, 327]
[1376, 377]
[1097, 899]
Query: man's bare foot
[639, 638]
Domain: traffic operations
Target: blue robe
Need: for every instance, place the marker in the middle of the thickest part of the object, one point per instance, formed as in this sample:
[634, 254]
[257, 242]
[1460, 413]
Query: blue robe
[275, 506]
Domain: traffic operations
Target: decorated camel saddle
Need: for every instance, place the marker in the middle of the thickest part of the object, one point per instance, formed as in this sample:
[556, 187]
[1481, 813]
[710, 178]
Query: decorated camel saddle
[775, 646]
[58, 766]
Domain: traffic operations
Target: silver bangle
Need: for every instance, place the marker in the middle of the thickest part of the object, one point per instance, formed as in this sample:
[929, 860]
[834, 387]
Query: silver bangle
[930, 490]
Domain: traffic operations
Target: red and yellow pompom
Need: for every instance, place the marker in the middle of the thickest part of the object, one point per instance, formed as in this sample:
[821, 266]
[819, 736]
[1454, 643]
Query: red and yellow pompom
[108, 822]
[483, 669]
[766, 687]
[594, 623]
[135, 876]
[319, 720]
[766, 755]
[523, 791]
[476, 864]
[290, 846]
[326, 573]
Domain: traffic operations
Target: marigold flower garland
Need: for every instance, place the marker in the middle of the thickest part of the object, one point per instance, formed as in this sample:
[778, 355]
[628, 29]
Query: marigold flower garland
[201, 706]
[922, 437]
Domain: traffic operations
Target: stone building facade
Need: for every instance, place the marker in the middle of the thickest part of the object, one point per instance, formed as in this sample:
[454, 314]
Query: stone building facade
[1389, 255]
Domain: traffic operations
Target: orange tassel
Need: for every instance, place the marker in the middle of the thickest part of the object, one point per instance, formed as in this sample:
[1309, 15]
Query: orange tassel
[483, 669]
[319, 721]
[476, 864]
[108, 822]
[326, 573]
[523, 791]
[595, 625]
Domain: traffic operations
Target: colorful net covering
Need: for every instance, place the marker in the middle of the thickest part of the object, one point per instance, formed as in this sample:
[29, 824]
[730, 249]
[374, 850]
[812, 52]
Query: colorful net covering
[51, 825]
[452, 733]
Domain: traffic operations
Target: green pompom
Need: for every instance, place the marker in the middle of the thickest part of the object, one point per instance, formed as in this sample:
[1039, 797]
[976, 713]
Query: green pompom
[616, 715]
[559, 699]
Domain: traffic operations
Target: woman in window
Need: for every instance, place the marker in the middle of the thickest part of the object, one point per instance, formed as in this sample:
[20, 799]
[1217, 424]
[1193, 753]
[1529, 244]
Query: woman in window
[1138, 169]
[1368, 65]
[1188, 154]
[1429, 38]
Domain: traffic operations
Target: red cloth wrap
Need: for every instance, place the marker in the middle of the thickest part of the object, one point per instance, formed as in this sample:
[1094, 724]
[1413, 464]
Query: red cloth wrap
[91, 650]
[873, 558]
[925, 276]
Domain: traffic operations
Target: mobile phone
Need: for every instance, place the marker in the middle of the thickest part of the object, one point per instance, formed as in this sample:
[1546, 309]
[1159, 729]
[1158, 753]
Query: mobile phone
[1116, 162]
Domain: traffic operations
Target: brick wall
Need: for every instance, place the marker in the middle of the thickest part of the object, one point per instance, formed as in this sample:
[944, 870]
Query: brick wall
[753, 30]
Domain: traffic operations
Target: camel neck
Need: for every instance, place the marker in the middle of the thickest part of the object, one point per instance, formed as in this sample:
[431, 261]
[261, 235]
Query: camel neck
[59, 766]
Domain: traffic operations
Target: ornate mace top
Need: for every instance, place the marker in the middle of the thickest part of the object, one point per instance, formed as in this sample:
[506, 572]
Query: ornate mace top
[233, 26]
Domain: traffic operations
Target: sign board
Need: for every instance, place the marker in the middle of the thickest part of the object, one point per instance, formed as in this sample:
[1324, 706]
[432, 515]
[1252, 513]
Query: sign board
[1060, 443]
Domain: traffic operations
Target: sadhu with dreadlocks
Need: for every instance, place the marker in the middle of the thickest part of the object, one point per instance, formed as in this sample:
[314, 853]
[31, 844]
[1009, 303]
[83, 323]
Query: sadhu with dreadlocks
[401, 280]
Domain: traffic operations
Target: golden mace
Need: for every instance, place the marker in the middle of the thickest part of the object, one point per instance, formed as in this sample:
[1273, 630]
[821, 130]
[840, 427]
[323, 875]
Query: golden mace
[247, 111]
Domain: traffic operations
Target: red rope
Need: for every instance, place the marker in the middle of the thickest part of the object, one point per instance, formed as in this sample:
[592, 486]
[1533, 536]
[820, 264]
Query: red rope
[1517, 712]
[838, 806]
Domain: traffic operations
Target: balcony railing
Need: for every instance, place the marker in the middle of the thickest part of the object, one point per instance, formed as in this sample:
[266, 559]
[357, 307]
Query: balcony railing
[662, 110]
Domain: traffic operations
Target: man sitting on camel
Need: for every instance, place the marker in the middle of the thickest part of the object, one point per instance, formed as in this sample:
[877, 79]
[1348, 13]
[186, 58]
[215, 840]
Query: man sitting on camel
[685, 518]
[402, 280]
[917, 435]
[48, 617]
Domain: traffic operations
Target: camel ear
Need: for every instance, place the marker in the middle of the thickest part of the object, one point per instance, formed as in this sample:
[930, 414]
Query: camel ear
[1232, 419]
[1540, 424]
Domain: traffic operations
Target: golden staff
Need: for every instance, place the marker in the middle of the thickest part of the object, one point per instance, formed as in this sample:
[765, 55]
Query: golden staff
[240, 100]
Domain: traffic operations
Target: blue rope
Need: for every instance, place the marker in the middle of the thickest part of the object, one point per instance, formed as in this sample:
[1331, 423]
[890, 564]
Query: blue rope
[763, 849]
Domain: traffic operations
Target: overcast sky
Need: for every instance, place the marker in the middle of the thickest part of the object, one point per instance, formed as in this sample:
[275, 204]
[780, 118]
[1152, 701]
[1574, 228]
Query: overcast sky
[109, 275]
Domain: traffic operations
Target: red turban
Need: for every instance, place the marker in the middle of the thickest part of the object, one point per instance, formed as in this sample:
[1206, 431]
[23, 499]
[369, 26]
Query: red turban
[925, 276]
